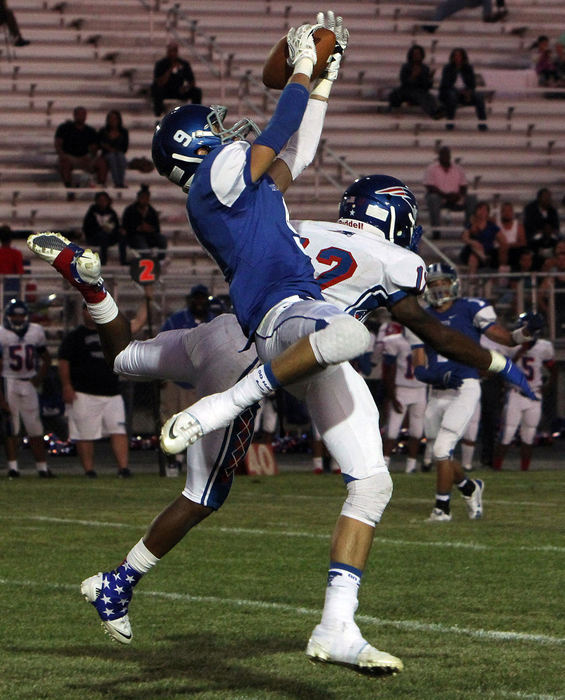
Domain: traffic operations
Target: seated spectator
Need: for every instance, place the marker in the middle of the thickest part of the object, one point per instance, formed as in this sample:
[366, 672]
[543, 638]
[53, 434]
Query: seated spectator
[513, 231]
[8, 18]
[446, 187]
[76, 145]
[101, 227]
[114, 143]
[485, 244]
[173, 78]
[141, 224]
[446, 8]
[542, 60]
[541, 218]
[458, 87]
[416, 81]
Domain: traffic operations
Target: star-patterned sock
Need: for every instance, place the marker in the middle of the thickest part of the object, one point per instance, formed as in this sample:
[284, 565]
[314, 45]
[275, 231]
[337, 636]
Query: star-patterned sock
[116, 592]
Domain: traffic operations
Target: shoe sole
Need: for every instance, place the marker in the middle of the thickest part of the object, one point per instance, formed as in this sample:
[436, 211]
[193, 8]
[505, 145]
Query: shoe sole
[90, 592]
[317, 654]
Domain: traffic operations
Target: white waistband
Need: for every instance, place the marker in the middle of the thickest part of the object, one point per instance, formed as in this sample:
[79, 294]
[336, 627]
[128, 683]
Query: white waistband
[265, 328]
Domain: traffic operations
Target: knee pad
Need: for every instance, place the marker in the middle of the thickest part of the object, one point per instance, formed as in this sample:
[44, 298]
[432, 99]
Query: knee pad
[367, 498]
[444, 445]
[342, 339]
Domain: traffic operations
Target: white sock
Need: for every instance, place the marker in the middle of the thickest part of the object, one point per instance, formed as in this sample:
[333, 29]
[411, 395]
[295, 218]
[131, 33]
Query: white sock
[254, 386]
[410, 464]
[13, 464]
[387, 461]
[104, 311]
[41, 466]
[140, 558]
[341, 594]
[467, 455]
[318, 463]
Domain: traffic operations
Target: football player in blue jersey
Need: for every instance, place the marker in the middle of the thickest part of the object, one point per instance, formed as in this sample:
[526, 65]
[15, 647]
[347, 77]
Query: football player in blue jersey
[295, 331]
[455, 392]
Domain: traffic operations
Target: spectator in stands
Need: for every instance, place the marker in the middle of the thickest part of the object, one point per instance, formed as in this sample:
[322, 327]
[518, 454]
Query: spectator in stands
[76, 145]
[11, 259]
[522, 286]
[8, 18]
[141, 224]
[446, 8]
[541, 224]
[446, 187]
[173, 78]
[555, 287]
[542, 59]
[176, 396]
[485, 244]
[458, 87]
[416, 80]
[513, 231]
[11, 263]
[114, 143]
[101, 227]
[94, 404]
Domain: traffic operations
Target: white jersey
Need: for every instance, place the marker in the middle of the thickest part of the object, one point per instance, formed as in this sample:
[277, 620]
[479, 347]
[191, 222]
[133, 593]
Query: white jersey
[20, 354]
[398, 347]
[531, 362]
[358, 271]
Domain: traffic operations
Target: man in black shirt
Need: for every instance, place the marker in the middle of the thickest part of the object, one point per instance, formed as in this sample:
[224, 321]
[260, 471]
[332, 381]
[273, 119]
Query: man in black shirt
[94, 404]
[76, 144]
[173, 78]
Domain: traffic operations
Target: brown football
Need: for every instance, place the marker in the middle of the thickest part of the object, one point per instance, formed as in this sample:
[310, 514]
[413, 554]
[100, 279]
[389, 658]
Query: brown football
[276, 70]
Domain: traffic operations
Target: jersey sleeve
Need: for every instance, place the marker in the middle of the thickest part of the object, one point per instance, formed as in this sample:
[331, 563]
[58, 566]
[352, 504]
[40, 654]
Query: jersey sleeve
[230, 172]
[405, 275]
[483, 313]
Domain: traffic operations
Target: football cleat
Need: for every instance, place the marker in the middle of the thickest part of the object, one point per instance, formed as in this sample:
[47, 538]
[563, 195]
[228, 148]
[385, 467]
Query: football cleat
[474, 502]
[346, 647]
[438, 516]
[111, 604]
[78, 266]
[13, 474]
[180, 431]
[46, 474]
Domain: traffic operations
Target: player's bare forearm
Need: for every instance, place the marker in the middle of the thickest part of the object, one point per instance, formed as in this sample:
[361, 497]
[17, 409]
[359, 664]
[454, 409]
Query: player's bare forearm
[450, 343]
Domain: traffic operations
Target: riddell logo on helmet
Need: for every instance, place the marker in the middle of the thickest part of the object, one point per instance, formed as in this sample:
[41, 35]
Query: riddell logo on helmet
[352, 223]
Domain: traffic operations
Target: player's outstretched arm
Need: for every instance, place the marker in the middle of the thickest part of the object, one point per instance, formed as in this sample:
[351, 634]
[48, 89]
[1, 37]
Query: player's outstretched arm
[300, 150]
[455, 345]
[292, 102]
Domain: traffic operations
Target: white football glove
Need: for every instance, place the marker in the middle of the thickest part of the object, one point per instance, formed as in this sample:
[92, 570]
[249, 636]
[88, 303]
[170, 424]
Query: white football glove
[301, 44]
[335, 24]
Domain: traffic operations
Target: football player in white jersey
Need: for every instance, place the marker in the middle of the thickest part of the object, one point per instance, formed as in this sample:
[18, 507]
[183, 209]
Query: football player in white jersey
[25, 362]
[406, 394]
[376, 212]
[535, 359]
[455, 390]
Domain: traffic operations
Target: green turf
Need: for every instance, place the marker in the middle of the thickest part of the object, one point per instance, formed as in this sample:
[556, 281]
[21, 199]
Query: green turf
[474, 608]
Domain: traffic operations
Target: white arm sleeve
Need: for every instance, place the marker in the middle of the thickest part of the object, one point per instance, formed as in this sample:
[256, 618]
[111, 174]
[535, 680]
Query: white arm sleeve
[301, 148]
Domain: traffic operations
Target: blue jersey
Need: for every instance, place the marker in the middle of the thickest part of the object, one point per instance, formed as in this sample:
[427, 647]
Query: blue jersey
[244, 227]
[471, 317]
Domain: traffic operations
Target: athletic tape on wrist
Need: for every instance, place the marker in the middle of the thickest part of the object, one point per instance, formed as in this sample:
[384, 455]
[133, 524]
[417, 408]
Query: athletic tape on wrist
[498, 362]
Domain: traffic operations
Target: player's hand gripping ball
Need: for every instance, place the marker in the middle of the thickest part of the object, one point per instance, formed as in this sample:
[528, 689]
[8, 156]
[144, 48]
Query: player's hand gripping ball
[276, 70]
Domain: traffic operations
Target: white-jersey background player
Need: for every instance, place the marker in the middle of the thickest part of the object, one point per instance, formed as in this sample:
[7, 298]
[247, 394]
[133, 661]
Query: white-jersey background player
[536, 360]
[406, 395]
[25, 361]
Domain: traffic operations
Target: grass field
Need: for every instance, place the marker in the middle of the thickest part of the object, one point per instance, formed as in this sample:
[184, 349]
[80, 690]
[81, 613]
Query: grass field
[473, 608]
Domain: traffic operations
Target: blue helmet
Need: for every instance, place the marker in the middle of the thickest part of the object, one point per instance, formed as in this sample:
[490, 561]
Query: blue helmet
[385, 204]
[182, 132]
[440, 295]
[16, 317]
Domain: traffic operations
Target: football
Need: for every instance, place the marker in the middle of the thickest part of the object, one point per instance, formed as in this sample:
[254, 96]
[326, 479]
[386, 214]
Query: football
[276, 70]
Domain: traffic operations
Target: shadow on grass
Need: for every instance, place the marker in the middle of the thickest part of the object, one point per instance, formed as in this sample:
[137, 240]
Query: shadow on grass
[182, 665]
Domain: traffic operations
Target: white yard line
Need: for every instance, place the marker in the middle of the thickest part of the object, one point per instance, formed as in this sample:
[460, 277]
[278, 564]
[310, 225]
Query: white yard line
[410, 625]
[298, 533]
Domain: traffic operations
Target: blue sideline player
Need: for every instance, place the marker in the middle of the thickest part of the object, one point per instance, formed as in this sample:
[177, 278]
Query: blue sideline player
[456, 391]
